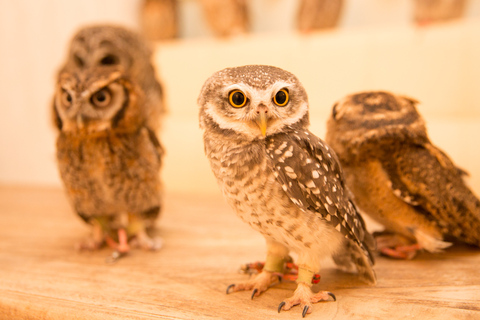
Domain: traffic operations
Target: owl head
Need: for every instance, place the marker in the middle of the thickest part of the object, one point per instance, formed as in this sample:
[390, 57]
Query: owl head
[253, 102]
[366, 118]
[96, 100]
[108, 45]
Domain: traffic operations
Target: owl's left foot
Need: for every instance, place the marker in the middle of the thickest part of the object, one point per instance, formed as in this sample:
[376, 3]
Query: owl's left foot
[260, 283]
[304, 297]
[145, 242]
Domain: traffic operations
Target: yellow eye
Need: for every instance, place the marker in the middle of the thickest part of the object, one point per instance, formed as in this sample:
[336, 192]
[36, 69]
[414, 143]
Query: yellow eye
[281, 98]
[101, 98]
[237, 98]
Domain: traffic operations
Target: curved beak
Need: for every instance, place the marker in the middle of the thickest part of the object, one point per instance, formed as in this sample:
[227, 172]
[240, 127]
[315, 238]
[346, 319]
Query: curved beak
[261, 121]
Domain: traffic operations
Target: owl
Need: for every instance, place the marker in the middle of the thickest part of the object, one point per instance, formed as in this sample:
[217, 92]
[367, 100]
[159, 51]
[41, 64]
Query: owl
[226, 17]
[108, 157]
[426, 11]
[399, 177]
[108, 45]
[318, 14]
[281, 179]
[159, 19]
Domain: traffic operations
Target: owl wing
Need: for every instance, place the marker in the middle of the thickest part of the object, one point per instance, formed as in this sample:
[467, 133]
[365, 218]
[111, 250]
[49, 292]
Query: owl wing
[311, 176]
[423, 176]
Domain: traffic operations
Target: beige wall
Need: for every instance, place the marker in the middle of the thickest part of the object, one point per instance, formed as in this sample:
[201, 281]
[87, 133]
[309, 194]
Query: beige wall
[373, 49]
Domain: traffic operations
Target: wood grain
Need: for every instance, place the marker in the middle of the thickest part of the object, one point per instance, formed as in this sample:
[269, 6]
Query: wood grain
[42, 277]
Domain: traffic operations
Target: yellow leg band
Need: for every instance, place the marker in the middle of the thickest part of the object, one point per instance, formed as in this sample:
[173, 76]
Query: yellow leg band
[305, 276]
[274, 264]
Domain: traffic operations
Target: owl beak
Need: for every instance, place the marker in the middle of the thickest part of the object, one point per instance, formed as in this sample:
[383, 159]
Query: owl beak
[80, 121]
[261, 121]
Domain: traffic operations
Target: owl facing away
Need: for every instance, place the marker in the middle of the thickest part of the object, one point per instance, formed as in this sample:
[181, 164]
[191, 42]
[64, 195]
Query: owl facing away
[280, 178]
[159, 19]
[226, 17]
[108, 45]
[108, 157]
[318, 14]
[428, 11]
[399, 177]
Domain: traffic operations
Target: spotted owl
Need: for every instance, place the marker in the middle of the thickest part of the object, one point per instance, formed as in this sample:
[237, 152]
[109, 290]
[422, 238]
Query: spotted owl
[279, 178]
[399, 177]
[159, 19]
[427, 11]
[226, 17]
[318, 14]
[108, 157]
[109, 45]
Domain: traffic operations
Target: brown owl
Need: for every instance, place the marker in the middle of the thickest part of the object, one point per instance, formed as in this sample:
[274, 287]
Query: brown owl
[108, 157]
[399, 177]
[108, 45]
[281, 179]
[427, 11]
[318, 14]
[159, 19]
[226, 17]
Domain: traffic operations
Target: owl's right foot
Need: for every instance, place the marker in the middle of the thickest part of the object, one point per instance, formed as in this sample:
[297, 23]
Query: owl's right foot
[396, 246]
[260, 283]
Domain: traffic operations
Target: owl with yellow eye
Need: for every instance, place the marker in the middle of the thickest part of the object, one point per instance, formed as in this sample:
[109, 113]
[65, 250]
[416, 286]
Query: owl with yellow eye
[282, 180]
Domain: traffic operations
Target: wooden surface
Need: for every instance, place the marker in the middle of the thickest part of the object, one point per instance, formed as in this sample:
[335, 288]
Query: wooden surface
[42, 277]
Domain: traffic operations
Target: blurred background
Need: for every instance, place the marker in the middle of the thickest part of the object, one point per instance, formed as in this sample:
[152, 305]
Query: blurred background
[372, 45]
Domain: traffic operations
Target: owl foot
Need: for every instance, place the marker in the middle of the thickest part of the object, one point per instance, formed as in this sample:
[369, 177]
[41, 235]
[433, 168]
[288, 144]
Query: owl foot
[396, 246]
[290, 271]
[122, 245]
[89, 244]
[260, 283]
[143, 241]
[304, 297]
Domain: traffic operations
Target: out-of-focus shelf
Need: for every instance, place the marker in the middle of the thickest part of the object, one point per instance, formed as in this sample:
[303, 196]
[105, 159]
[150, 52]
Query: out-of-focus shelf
[42, 277]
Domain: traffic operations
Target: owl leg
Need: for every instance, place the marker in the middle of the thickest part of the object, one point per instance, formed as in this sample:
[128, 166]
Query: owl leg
[303, 295]
[274, 264]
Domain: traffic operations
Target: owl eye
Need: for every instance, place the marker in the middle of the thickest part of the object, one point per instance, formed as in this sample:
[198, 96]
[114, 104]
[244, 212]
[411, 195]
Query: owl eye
[109, 59]
[237, 98]
[66, 98]
[281, 98]
[101, 98]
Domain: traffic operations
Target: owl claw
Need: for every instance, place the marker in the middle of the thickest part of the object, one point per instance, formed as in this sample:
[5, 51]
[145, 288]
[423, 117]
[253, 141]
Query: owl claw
[230, 287]
[304, 297]
[253, 293]
[304, 312]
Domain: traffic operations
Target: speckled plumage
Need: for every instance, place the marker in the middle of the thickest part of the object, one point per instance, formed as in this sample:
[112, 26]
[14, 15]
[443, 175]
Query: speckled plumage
[108, 157]
[397, 176]
[286, 184]
[109, 45]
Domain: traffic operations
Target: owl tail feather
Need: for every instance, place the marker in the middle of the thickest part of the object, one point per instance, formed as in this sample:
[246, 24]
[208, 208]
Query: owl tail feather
[354, 260]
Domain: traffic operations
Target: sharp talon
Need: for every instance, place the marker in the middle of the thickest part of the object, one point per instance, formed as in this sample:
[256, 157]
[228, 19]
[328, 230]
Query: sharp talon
[305, 310]
[280, 306]
[253, 293]
[230, 287]
[333, 296]
[279, 278]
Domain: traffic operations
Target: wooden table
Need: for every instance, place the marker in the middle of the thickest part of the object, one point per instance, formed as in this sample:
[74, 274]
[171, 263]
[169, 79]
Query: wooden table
[42, 277]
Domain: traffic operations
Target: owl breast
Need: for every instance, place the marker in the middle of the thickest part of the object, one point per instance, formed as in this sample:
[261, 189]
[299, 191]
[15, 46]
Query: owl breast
[110, 174]
[244, 174]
